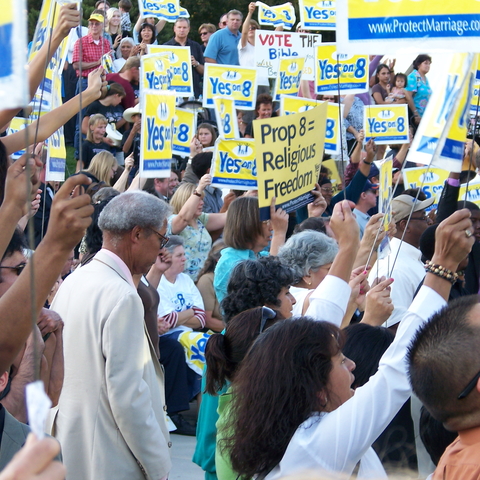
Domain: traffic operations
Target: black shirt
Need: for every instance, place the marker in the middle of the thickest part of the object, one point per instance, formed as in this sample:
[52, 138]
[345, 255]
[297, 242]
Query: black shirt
[89, 150]
[196, 51]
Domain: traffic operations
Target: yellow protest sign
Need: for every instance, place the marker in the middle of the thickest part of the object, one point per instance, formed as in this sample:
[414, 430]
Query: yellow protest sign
[56, 150]
[385, 192]
[318, 15]
[156, 134]
[289, 77]
[184, 128]
[334, 176]
[234, 164]
[430, 179]
[179, 66]
[387, 124]
[183, 13]
[290, 105]
[475, 101]
[449, 103]
[13, 78]
[167, 9]
[332, 69]
[155, 73]
[385, 25]
[289, 152]
[238, 82]
[470, 192]
[226, 118]
[15, 126]
[278, 15]
[107, 63]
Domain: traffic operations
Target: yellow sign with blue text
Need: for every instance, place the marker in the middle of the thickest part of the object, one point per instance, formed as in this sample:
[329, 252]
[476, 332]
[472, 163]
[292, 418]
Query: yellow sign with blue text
[157, 134]
[238, 82]
[386, 124]
[430, 179]
[333, 175]
[184, 128]
[168, 10]
[449, 103]
[289, 152]
[180, 67]
[385, 192]
[470, 192]
[289, 77]
[290, 105]
[234, 164]
[279, 15]
[17, 124]
[226, 118]
[318, 15]
[384, 25]
[155, 73]
[335, 70]
[475, 101]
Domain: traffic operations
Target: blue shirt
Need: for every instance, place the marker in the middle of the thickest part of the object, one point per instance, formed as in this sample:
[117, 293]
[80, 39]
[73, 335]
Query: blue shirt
[223, 47]
[362, 220]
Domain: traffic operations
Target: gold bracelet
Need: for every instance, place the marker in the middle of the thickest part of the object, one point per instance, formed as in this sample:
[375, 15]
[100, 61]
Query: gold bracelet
[441, 272]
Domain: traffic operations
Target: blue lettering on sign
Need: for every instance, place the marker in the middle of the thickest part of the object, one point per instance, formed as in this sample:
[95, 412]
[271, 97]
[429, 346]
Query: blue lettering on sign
[448, 98]
[287, 82]
[157, 136]
[312, 12]
[274, 53]
[219, 87]
[229, 165]
[156, 82]
[332, 72]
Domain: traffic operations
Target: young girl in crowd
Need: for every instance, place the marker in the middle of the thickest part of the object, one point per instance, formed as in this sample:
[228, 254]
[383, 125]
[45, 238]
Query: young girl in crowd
[95, 142]
[112, 26]
[397, 94]
[206, 135]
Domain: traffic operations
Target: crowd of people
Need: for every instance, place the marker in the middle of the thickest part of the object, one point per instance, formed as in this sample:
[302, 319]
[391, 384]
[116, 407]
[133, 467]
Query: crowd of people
[321, 340]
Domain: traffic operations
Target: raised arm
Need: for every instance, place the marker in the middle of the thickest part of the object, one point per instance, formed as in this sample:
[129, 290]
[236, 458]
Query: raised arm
[246, 24]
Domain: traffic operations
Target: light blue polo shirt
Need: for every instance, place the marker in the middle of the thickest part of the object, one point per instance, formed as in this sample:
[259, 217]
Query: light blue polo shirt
[223, 47]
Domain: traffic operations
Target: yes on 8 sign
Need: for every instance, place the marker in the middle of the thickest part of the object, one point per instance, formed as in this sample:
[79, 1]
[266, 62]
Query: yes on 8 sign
[278, 15]
[179, 67]
[387, 124]
[167, 9]
[184, 128]
[238, 82]
[157, 134]
[333, 68]
[318, 15]
[227, 115]
[155, 72]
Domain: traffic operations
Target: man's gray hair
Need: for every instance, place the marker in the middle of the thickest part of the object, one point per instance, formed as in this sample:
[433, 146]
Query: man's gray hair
[308, 250]
[133, 209]
[174, 241]
[182, 19]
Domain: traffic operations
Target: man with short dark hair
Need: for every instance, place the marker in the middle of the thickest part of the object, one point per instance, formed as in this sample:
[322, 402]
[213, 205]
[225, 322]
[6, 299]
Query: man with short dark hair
[444, 361]
[128, 75]
[181, 29]
[223, 44]
[366, 201]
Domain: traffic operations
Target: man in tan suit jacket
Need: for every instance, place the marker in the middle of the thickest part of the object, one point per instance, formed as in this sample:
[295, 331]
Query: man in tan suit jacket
[111, 420]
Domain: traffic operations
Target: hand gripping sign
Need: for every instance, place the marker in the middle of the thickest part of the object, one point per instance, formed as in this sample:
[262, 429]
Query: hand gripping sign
[335, 71]
[289, 152]
[156, 134]
[234, 164]
[318, 15]
[278, 15]
[179, 65]
[386, 124]
[238, 82]
[384, 26]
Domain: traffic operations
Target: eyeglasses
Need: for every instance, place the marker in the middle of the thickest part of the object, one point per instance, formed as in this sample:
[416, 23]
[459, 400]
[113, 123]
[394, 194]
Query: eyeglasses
[326, 189]
[267, 314]
[471, 385]
[203, 33]
[224, 24]
[253, 28]
[266, 222]
[18, 269]
[163, 239]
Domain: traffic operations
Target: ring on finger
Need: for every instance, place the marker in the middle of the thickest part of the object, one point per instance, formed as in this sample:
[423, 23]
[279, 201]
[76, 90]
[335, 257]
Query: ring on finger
[468, 233]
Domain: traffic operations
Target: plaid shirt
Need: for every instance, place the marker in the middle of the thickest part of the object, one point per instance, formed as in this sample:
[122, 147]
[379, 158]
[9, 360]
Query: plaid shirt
[90, 52]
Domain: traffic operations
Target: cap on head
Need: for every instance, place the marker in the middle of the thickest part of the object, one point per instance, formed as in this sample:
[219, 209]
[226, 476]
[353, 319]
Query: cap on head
[402, 206]
[96, 17]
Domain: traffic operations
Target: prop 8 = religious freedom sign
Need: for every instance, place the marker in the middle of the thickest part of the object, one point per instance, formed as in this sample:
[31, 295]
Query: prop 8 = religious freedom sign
[289, 152]
[383, 26]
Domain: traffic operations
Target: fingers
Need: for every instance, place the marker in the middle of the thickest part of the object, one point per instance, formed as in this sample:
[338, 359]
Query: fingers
[382, 284]
[66, 189]
[272, 207]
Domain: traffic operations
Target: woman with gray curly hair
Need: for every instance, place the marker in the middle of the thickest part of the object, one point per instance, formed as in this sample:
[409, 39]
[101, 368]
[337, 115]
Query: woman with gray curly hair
[310, 254]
